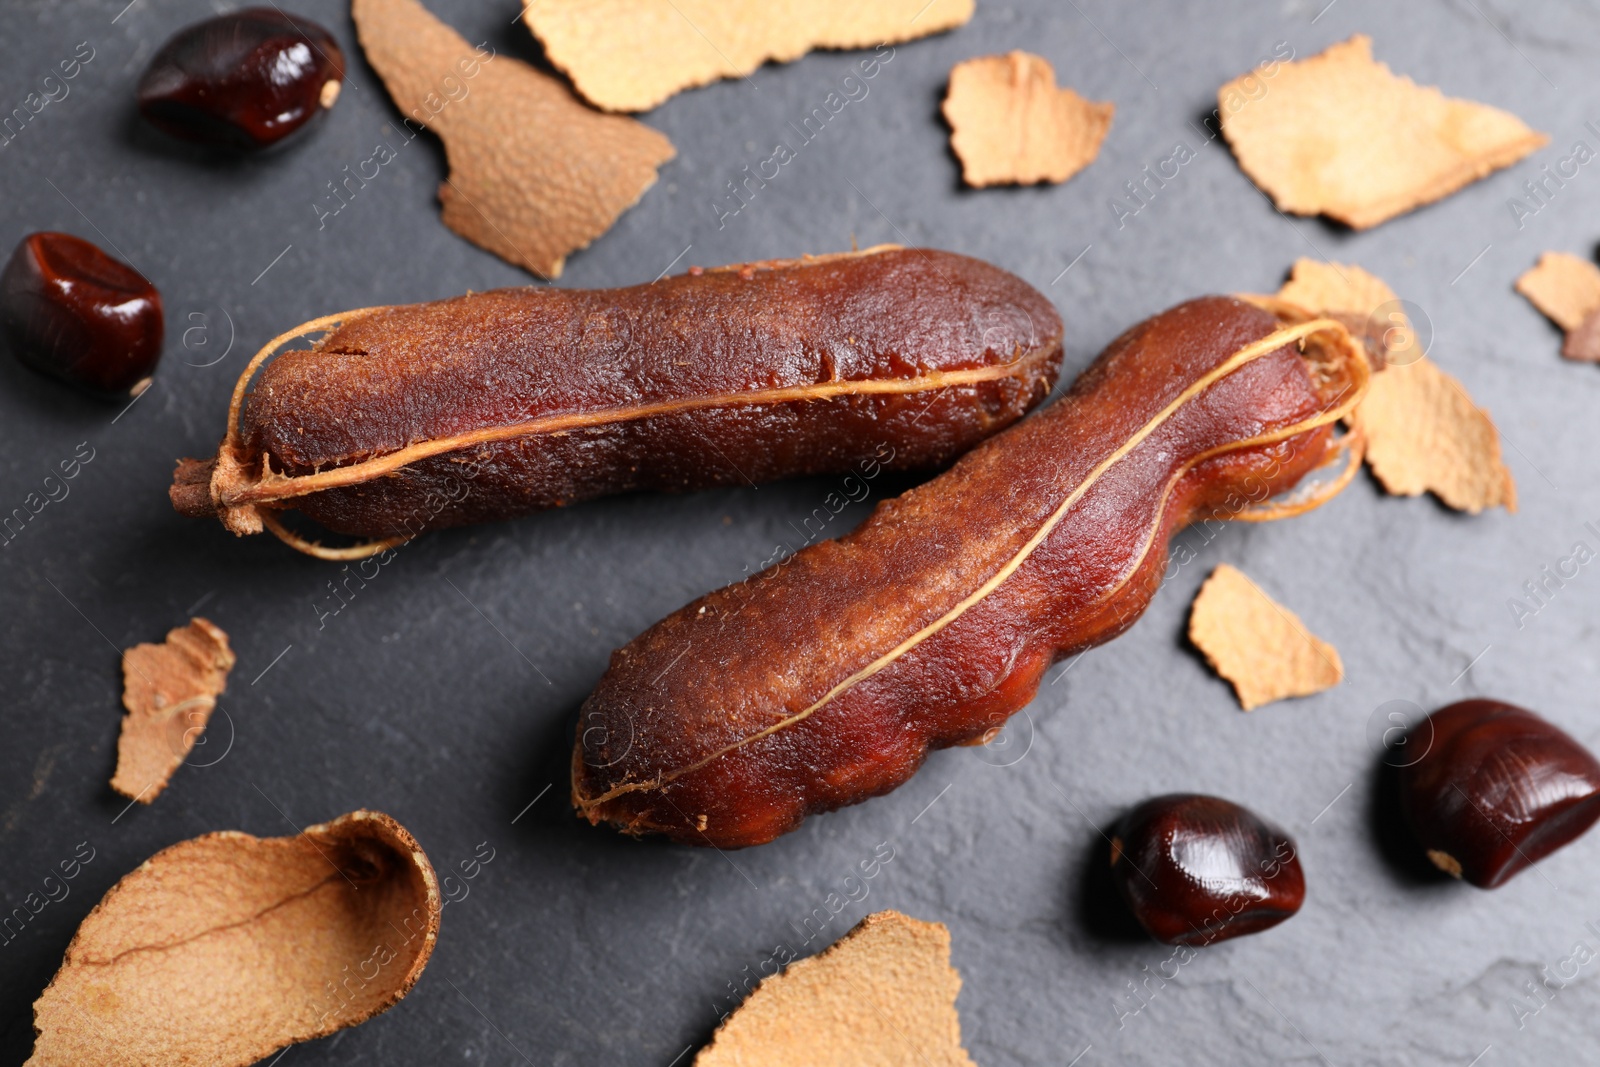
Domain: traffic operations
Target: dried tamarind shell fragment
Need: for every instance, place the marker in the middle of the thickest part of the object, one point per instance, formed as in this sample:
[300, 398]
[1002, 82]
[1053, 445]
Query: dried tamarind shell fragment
[883, 994]
[1261, 647]
[491, 405]
[1567, 289]
[226, 947]
[630, 55]
[169, 691]
[1564, 287]
[1010, 124]
[534, 174]
[1340, 134]
[828, 678]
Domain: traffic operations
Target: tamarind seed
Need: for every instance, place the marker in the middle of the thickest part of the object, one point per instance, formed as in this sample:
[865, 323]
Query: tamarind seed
[1199, 869]
[244, 80]
[71, 311]
[1496, 790]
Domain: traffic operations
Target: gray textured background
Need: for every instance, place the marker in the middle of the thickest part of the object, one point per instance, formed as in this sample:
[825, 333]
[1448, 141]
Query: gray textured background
[444, 692]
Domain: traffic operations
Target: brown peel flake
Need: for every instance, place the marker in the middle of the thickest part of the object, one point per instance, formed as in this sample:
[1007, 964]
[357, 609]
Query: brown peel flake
[884, 994]
[224, 948]
[1257, 644]
[534, 174]
[1010, 124]
[1583, 343]
[1567, 289]
[629, 55]
[1564, 287]
[1423, 432]
[169, 690]
[1340, 135]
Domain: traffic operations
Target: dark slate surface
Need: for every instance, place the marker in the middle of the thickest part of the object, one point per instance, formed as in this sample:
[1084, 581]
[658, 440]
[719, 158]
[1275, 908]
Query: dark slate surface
[443, 693]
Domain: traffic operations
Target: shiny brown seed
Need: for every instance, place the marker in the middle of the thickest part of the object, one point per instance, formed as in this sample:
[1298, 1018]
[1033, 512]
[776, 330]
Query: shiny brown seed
[1198, 869]
[244, 80]
[1496, 790]
[71, 311]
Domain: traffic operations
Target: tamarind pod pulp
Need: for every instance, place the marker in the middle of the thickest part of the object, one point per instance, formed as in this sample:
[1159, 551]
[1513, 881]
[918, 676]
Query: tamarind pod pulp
[491, 405]
[828, 678]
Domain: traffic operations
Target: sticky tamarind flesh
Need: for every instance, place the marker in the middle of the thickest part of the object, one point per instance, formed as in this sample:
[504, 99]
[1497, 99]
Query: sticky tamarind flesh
[491, 405]
[827, 679]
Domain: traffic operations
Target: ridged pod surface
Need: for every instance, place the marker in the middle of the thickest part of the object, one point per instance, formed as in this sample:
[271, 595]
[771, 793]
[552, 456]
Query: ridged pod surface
[495, 404]
[828, 678]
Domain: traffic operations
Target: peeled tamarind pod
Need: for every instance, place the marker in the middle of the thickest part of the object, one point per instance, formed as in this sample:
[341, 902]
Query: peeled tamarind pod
[490, 405]
[828, 678]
